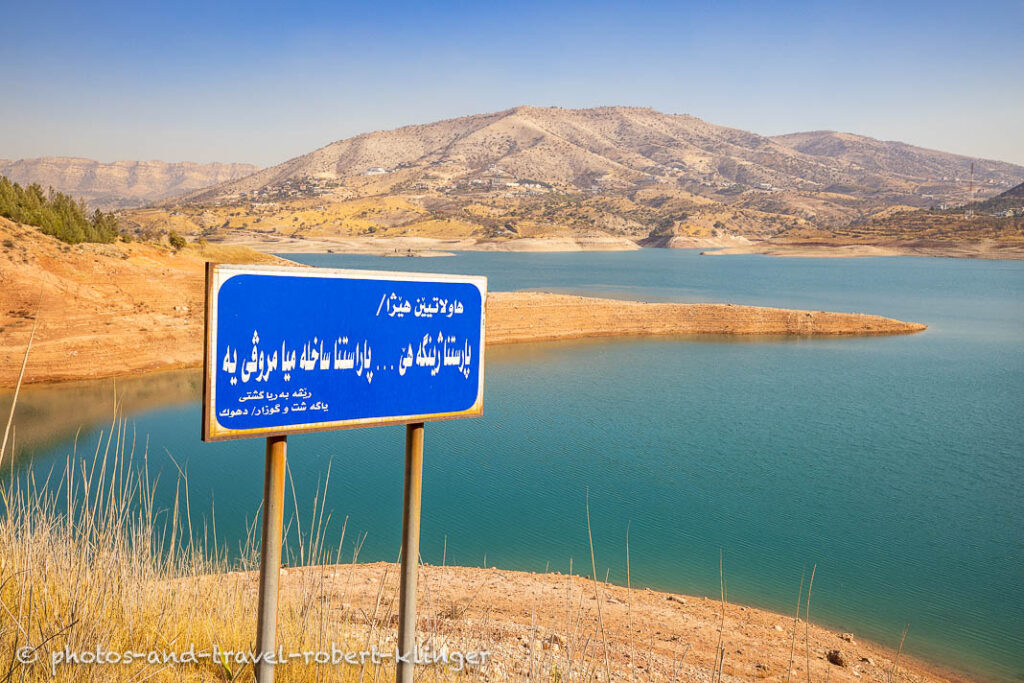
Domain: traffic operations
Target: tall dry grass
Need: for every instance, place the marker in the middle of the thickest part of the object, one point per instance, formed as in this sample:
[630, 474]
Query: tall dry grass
[88, 560]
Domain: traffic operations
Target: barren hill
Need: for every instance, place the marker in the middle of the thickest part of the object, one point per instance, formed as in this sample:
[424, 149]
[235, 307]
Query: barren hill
[997, 222]
[120, 184]
[879, 161]
[611, 176]
[1016, 192]
[613, 149]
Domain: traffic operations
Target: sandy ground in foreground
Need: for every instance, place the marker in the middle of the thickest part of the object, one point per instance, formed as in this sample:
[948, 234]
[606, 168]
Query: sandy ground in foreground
[542, 623]
[116, 309]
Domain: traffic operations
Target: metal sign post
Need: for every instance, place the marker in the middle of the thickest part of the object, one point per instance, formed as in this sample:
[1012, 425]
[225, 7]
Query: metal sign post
[291, 350]
[270, 557]
[410, 552]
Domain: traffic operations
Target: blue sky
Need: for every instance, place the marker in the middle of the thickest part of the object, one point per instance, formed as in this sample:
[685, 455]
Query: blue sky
[261, 83]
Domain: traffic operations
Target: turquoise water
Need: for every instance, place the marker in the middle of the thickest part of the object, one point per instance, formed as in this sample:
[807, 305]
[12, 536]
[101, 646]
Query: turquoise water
[895, 464]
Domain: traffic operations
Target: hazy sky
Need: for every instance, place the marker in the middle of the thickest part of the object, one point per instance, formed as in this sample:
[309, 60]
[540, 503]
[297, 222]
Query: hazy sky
[261, 83]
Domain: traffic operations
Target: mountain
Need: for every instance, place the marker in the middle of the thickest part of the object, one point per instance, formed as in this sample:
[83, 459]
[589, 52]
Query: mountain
[120, 184]
[619, 150]
[933, 170]
[623, 174]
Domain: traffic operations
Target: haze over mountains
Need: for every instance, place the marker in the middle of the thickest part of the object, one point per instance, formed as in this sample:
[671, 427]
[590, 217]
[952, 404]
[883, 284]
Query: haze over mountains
[120, 184]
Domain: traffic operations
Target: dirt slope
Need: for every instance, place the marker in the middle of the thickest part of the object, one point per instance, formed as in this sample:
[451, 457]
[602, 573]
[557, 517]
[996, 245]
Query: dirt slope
[104, 309]
[548, 627]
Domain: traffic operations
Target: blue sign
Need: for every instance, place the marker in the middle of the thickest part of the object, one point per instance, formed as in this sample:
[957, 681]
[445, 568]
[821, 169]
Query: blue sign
[306, 349]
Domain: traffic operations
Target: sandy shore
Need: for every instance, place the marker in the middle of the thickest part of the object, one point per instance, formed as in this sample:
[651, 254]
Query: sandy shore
[76, 340]
[533, 316]
[542, 623]
[424, 246]
[716, 246]
[118, 309]
[980, 249]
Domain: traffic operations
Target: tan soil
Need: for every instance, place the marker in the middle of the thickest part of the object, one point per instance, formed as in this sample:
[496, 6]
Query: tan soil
[543, 623]
[979, 249]
[116, 309]
[104, 309]
[532, 316]
[422, 246]
[712, 246]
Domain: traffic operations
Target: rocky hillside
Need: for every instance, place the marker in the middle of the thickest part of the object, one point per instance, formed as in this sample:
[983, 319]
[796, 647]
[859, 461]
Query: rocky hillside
[660, 180]
[120, 184]
[619, 149]
[129, 307]
[999, 220]
[879, 163]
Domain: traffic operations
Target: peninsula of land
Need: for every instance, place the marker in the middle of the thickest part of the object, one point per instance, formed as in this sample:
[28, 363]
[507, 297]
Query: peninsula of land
[105, 310]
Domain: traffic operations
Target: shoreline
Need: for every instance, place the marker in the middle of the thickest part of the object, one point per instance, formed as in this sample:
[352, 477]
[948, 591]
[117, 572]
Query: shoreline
[108, 310]
[424, 247]
[420, 247]
[985, 250]
[546, 620]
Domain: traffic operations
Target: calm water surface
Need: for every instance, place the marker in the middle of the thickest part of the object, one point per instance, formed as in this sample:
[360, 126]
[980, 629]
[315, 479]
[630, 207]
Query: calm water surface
[894, 464]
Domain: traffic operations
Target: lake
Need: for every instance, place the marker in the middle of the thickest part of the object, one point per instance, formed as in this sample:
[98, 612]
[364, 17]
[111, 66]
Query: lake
[894, 464]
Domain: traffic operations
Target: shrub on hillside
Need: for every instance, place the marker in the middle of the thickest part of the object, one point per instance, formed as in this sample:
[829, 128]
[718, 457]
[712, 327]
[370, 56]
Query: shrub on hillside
[176, 240]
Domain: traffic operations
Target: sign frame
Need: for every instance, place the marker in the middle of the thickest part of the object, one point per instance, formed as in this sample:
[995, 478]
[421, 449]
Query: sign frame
[218, 274]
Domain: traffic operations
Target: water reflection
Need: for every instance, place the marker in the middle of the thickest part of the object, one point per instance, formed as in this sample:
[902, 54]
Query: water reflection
[49, 415]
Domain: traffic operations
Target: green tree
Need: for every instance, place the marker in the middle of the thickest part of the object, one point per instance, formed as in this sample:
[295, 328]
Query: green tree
[55, 213]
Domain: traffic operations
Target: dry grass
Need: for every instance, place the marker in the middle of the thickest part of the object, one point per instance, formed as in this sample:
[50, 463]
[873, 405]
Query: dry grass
[88, 560]
[382, 216]
[227, 253]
